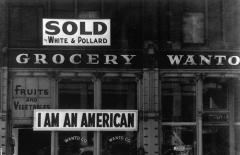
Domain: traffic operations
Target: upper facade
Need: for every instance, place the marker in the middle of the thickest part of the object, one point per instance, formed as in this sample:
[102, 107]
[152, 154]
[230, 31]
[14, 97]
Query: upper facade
[170, 24]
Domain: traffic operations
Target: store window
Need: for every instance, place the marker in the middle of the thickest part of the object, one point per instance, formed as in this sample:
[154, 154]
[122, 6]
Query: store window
[178, 116]
[119, 94]
[178, 100]
[216, 117]
[21, 32]
[75, 95]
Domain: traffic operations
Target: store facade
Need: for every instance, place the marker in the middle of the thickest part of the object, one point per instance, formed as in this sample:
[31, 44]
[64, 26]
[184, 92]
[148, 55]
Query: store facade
[187, 104]
[173, 65]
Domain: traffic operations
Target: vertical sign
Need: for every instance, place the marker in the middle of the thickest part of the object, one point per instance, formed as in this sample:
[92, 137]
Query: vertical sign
[29, 94]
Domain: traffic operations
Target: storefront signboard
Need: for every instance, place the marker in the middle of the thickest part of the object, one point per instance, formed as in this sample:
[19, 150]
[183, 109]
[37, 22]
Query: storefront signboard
[74, 59]
[85, 120]
[198, 60]
[76, 32]
[30, 93]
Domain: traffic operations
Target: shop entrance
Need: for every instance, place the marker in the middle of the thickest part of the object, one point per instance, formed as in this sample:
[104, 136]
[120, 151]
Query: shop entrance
[33, 143]
[196, 116]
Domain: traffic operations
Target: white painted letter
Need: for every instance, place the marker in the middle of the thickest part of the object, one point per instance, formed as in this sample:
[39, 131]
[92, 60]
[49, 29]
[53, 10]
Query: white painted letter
[72, 58]
[190, 60]
[21, 60]
[93, 59]
[128, 58]
[237, 60]
[220, 59]
[113, 59]
[61, 60]
[205, 59]
[40, 59]
[176, 60]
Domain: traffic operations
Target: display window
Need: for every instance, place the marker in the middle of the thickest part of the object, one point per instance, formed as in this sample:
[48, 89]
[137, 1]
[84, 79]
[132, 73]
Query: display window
[75, 94]
[119, 94]
[215, 131]
[178, 116]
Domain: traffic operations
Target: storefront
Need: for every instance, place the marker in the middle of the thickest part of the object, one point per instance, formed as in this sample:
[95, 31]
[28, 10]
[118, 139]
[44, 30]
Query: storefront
[98, 82]
[187, 105]
[199, 103]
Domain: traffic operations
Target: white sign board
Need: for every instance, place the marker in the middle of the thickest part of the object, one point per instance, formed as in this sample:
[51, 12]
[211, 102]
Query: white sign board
[0, 151]
[85, 120]
[30, 93]
[76, 32]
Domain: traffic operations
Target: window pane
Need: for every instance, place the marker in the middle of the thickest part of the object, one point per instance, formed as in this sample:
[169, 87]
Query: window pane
[178, 100]
[75, 94]
[119, 94]
[75, 143]
[21, 33]
[62, 8]
[216, 140]
[214, 94]
[179, 140]
[237, 140]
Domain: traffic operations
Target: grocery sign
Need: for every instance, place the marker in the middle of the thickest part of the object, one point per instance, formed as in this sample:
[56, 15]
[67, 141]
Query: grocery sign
[85, 120]
[76, 32]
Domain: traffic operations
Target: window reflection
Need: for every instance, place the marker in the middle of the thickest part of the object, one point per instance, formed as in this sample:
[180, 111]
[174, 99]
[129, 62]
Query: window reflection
[75, 143]
[119, 94]
[75, 94]
[179, 140]
[216, 140]
[178, 100]
[214, 94]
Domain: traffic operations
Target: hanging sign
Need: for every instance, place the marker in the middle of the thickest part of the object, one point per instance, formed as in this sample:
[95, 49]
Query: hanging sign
[76, 32]
[85, 120]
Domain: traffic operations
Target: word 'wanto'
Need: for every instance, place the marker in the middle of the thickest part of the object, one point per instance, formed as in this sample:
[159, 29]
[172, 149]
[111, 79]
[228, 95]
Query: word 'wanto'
[193, 60]
[86, 120]
[75, 59]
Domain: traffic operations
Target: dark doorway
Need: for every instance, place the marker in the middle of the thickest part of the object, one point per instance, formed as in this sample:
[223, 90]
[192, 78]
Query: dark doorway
[34, 143]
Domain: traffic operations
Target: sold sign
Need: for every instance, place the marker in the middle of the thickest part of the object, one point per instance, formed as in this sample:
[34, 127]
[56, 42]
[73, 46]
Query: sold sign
[76, 32]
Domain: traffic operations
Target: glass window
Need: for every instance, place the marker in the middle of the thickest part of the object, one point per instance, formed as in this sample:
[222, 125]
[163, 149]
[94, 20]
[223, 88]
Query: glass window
[75, 94]
[119, 94]
[62, 8]
[75, 143]
[237, 140]
[179, 140]
[215, 94]
[215, 140]
[21, 32]
[178, 100]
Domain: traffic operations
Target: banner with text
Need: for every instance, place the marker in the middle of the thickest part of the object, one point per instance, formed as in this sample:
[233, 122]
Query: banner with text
[76, 32]
[85, 120]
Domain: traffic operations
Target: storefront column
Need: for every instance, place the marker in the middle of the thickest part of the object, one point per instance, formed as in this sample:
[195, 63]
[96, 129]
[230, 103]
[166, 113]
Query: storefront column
[231, 116]
[151, 111]
[199, 110]
[140, 109]
[97, 105]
